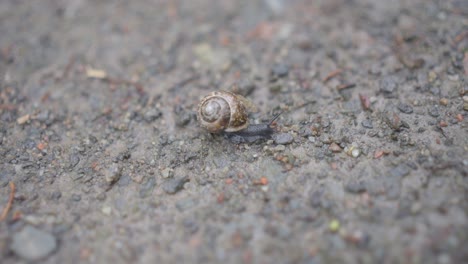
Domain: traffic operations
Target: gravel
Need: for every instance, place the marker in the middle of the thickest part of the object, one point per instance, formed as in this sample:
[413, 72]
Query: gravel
[283, 138]
[32, 244]
[174, 185]
[405, 108]
[355, 187]
[434, 111]
[113, 173]
[280, 70]
[367, 124]
[98, 131]
[388, 86]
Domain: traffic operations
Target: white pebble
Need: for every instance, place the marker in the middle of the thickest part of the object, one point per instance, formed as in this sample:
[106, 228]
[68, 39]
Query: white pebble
[355, 152]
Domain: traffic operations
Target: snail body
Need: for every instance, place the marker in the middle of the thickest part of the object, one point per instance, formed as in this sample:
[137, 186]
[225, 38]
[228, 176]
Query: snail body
[227, 113]
[251, 134]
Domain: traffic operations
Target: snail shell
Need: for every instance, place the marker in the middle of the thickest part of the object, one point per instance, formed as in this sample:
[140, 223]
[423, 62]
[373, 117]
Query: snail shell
[223, 111]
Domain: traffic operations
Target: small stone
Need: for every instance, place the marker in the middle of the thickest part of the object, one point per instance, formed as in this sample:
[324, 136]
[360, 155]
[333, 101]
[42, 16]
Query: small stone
[434, 111]
[444, 101]
[113, 173]
[147, 188]
[174, 185]
[378, 154]
[280, 70]
[76, 197]
[107, 210]
[32, 244]
[334, 147]
[74, 159]
[152, 115]
[276, 88]
[388, 86]
[124, 181]
[367, 123]
[23, 119]
[355, 187]
[405, 108]
[283, 138]
[305, 131]
[167, 173]
[355, 152]
[56, 195]
[334, 225]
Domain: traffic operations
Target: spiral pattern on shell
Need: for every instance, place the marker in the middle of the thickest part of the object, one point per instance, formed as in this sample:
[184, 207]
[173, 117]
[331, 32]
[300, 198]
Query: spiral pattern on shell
[222, 111]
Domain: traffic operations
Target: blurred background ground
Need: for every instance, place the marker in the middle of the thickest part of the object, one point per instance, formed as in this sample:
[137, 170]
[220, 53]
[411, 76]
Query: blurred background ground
[98, 133]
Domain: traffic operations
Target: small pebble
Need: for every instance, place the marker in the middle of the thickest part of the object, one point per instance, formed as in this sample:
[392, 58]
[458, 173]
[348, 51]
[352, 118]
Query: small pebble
[355, 187]
[305, 131]
[334, 147]
[76, 197]
[283, 138]
[174, 185]
[280, 70]
[147, 187]
[355, 152]
[434, 111]
[107, 210]
[334, 225]
[167, 173]
[443, 101]
[113, 173]
[388, 86]
[405, 108]
[32, 244]
[23, 119]
[152, 115]
[367, 123]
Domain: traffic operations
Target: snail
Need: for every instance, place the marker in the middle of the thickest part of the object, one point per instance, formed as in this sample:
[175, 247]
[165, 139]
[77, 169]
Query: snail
[227, 113]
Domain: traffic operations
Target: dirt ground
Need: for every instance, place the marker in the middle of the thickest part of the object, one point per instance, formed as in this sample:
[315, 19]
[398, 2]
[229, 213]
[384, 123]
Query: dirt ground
[102, 159]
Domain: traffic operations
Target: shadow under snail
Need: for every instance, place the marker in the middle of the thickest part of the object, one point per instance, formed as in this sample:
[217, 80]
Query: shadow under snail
[226, 113]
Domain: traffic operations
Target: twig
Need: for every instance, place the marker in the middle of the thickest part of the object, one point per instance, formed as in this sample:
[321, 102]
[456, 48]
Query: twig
[332, 75]
[345, 86]
[10, 202]
[365, 102]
